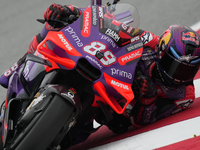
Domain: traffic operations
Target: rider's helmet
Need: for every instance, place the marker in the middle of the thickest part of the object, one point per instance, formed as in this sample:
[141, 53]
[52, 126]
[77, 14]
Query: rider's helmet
[179, 55]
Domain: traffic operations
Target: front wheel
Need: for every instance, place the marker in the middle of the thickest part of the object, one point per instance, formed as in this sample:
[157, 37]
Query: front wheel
[55, 115]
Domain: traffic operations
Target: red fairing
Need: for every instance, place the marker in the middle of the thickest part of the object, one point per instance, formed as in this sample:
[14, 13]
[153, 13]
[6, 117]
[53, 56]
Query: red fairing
[86, 29]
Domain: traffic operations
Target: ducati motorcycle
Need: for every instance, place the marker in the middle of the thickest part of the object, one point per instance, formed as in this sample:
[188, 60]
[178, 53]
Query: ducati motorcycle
[76, 75]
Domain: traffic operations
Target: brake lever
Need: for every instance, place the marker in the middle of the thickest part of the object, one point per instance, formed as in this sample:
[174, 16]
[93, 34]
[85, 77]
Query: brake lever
[41, 20]
[53, 22]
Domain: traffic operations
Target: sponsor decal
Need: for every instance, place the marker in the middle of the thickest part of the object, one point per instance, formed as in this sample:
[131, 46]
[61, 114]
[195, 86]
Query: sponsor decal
[37, 100]
[120, 85]
[121, 73]
[112, 34]
[109, 40]
[65, 42]
[187, 58]
[134, 46]
[129, 30]
[94, 15]
[123, 60]
[94, 61]
[146, 38]
[101, 16]
[136, 38]
[86, 23]
[124, 26]
[190, 36]
[72, 90]
[70, 95]
[74, 36]
[101, 12]
[12, 69]
[184, 104]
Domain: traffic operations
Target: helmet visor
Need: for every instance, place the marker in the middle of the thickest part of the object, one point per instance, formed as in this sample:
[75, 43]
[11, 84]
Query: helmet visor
[178, 70]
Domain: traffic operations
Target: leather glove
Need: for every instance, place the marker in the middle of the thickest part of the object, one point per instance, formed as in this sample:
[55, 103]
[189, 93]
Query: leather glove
[144, 86]
[58, 16]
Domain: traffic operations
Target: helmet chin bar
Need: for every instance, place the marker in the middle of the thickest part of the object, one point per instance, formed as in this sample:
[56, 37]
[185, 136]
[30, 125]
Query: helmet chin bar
[177, 70]
[168, 80]
[175, 82]
[171, 81]
[164, 79]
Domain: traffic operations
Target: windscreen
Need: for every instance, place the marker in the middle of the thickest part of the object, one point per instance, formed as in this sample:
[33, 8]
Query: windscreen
[125, 13]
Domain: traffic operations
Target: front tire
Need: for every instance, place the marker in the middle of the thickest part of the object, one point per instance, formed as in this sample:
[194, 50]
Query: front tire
[42, 130]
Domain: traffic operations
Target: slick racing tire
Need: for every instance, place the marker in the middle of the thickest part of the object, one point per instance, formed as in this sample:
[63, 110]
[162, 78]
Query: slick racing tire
[43, 128]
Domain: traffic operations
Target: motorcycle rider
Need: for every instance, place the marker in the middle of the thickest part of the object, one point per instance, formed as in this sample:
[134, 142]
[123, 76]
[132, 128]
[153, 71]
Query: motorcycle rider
[163, 86]
[172, 68]
[164, 77]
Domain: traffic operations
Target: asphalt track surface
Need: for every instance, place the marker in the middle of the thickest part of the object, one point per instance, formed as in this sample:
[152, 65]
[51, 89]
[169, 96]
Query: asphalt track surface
[18, 22]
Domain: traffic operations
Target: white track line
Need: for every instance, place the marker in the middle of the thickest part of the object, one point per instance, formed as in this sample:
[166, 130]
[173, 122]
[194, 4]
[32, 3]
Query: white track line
[196, 26]
[197, 87]
[157, 138]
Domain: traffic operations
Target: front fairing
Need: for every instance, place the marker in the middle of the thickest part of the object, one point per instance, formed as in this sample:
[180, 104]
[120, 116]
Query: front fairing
[23, 84]
[110, 46]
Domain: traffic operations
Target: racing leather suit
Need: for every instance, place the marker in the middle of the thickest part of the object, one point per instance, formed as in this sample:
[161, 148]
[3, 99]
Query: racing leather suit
[167, 100]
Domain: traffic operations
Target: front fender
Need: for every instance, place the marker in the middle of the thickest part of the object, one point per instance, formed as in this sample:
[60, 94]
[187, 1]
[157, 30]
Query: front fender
[67, 92]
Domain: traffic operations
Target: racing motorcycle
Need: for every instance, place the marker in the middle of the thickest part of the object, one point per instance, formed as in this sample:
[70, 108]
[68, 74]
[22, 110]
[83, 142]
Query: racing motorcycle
[76, 75]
